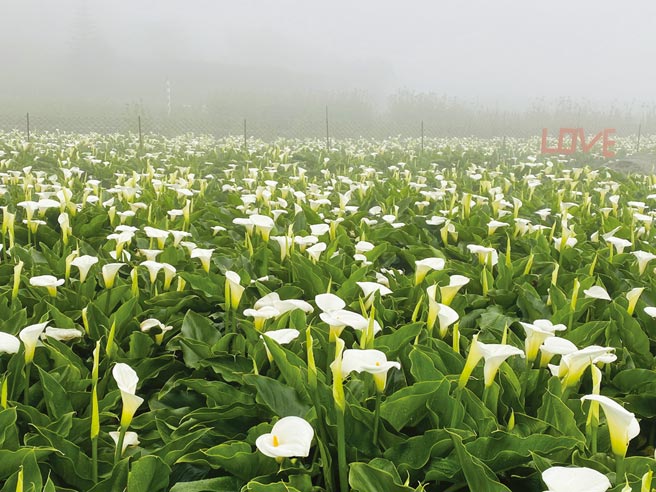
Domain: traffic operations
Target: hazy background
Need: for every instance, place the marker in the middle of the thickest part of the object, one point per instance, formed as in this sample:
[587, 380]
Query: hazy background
[470, 67]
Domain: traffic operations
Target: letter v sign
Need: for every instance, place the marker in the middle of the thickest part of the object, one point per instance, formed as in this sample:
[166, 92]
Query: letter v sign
[587, 146]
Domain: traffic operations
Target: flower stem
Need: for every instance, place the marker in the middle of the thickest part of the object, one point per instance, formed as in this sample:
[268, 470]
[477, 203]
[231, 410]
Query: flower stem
[619, 469]
[341, 451]
[26, 397]
[328, 372]
[454, 412]
[119, 445]
[376, 418]
[486, 396]
[565, 395]
[94, 458]
[327, 478]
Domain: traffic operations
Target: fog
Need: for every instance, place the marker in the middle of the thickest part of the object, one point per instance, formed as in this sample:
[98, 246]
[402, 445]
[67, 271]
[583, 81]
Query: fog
[505, 65]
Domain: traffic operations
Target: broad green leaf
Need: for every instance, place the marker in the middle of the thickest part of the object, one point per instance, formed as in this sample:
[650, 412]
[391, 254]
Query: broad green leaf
[200, 328]
[408, 406]
[364, 477]
[225, 484]
[282, 400]
[479, 477]
[149, 473]
[55, 396]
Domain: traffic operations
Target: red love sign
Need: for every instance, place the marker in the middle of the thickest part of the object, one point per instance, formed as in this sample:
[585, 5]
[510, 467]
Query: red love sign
[576, 135]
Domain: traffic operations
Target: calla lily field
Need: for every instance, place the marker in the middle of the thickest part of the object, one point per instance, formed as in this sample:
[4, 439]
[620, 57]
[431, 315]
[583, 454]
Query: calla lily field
[193, 314]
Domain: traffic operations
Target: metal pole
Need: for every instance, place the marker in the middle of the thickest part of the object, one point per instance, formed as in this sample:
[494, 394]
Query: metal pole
[245, 136]
[28, 126]
[639, 132]
[168, 98]
[422, 136]
[140, 135]
[327, 132]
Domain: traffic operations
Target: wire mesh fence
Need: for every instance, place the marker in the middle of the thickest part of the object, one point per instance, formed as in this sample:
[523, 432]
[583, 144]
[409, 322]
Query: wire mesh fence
[331, 123]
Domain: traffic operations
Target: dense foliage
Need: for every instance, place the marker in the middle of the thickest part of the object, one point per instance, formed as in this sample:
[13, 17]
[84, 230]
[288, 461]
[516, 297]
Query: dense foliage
[173, 265]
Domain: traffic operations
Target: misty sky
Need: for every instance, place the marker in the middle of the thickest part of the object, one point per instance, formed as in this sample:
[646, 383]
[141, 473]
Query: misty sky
[504, 52]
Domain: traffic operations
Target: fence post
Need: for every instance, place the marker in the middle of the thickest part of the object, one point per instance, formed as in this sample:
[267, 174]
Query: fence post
[422, 137]
[27, 116]
[140, 135]
[639, 132]
[327, 132]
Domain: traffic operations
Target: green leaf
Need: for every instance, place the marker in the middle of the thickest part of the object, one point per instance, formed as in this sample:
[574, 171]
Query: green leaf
[282, 400]
[364, 477]
[415, 452]
[49, 486]
[479, 477]
[55, 396]
[391, 344]
[70, 462]
[588, 333]
[224, 484]
[422, 366]
[11, 460]
[632, 336]
[557, 414]
[269, 487]
[503, 451]
[117, 479]
[235, 457]
[201, 328]
[32, 479]
[8, 430]
[292, 368]
[531, 304]
[408, 406]
[149, 473]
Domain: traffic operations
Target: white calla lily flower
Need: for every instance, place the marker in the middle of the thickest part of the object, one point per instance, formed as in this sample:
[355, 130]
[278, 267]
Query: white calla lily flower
[448, 292]
[62, 334]
[204, 255]
[50, 282]
[564, 479]
[643, 258]
[233, 290]
[131, 439]
[597, 292]
[261, 315]
[84, 264]
[633, 296]
[282, 336]
[290, 437]
[426, 265]
[494, 355]
[9, 344]
[126, 379]
[109, 272]
[30, 337]
[370, 288]
[622, 424]
[536, 333]
[372, 361]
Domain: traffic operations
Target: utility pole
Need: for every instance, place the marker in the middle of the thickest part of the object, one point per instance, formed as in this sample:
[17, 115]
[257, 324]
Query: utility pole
[168, 97]
[140, 134]
[245, 136]
[422, 137]
[28, 126]
[327, 132]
